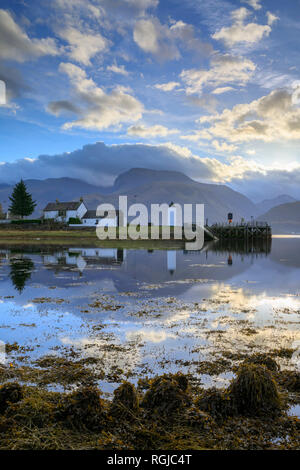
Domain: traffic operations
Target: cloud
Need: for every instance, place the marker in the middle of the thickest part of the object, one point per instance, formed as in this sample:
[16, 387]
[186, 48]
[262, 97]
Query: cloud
[225, 89]
[205, 101]
[14, 82]
[240, 32]
[163, 41]
[153, 37]
[225, 69]
[253, 3]
[83, 46]
[61, 107]
[223, 147]
[96, 109]
[100, 164]
[271, 118]
[117, 69]
[152, 131]
[100, 8]
[16, 44]
[271, 18]
[167, 86]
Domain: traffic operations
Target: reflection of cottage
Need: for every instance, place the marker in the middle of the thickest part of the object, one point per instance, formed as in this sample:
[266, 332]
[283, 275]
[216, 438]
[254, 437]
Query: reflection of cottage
[63, 211]
[91, 219]
[81, 257]
[171, 261]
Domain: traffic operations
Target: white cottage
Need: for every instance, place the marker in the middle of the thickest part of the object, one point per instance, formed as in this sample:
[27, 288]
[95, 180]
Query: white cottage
[63, 211]
[90, 219]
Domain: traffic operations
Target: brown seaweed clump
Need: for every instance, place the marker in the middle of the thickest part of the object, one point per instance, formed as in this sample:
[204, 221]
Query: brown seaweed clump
[290, 380]
[9, 393]
[167, 394]
[82, 409]
[254, 391]
[125, 402]
[217, 403]
[263, 360]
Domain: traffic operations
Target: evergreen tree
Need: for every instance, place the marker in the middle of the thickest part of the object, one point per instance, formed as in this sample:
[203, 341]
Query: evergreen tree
[21, 201]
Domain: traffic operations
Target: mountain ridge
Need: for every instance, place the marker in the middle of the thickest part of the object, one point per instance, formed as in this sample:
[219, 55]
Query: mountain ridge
[142, 185]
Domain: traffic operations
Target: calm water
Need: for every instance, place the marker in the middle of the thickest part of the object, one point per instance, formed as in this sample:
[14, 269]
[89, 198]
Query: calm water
[147, 312]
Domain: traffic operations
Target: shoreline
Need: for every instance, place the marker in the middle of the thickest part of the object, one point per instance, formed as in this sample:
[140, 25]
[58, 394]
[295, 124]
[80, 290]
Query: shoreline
[167, 412]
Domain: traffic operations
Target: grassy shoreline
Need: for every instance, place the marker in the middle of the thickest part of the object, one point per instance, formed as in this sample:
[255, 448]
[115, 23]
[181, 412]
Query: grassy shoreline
[80, 238]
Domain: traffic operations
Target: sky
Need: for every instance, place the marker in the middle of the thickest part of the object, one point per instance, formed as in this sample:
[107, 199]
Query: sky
[208, 87]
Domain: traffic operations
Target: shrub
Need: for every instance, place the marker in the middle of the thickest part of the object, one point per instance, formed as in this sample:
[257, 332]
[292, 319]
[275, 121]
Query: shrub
[26, 222]
[254, 391]
[74, 220]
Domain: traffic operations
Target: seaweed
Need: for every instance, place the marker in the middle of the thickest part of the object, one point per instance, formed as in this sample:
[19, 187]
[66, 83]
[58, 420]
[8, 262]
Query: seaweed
[167, 393]
[82, 409]
[216, 402]
[254, 391]
[263, 360]
[9, 393]
[125, 402]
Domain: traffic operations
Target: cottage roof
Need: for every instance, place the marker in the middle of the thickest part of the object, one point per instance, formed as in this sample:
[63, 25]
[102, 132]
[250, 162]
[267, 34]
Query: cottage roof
[92, 214]
[63, 206]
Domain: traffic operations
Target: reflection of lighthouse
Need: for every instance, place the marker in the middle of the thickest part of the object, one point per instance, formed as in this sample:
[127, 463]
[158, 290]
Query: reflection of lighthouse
[171, 261]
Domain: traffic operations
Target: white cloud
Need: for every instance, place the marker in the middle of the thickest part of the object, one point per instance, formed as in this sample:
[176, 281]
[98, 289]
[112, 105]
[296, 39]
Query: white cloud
[272, 118]
[253, 3]
[153, 37]
[167, 86]
[225, 89]
[223, 147]
[271, 18]
[151, 131]
[120, 69]
[16, 44]
[163, 40]
[100, 8]
[83, 46]
[224, 69]
[96, 109]
[240, 32]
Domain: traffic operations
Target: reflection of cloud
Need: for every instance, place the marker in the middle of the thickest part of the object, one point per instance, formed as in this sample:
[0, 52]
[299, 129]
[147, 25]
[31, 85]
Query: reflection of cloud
[153, 336]
[110, 354]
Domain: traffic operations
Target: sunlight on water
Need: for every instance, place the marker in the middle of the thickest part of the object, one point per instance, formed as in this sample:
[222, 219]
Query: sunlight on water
[148, 312]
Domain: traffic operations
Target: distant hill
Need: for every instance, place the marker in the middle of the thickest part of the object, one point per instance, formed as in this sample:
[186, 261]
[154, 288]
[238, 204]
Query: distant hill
[267, 204]
[284, 218]
[44, 191]
[145, 186]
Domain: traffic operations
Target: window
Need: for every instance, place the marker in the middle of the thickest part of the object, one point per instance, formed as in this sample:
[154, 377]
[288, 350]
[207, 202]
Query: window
[62, 213]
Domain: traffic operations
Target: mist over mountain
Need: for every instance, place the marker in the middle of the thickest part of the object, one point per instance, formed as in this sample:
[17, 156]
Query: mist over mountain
[267, 204]
[284, 218]
[145, 186]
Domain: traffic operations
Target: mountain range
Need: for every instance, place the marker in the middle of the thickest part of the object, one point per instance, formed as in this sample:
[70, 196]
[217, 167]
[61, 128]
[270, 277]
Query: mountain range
[149, 186]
